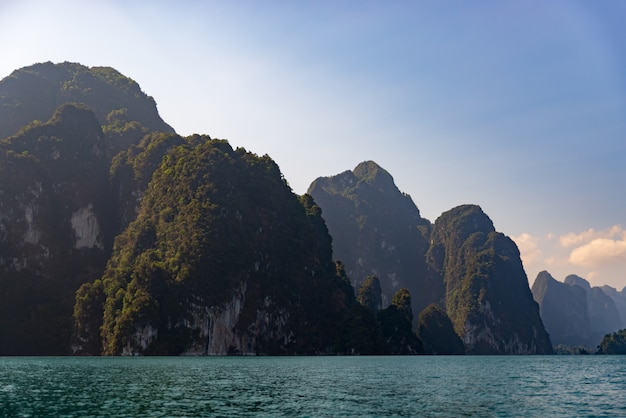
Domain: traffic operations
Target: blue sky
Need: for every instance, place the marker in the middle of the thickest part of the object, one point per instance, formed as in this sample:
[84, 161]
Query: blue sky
[519, 107]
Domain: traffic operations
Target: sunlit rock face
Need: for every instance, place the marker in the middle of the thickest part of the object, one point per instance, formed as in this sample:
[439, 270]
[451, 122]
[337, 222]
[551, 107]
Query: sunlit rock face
[487, 295]
[86, 228]
[216, 330]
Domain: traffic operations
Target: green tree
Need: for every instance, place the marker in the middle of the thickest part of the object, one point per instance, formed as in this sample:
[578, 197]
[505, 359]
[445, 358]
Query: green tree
[370, 294]
[396, 327]
[402, 301]
[435, 330]
[614, 343]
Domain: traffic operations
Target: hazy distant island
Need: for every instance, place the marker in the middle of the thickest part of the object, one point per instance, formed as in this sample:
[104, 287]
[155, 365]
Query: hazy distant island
[120, 237]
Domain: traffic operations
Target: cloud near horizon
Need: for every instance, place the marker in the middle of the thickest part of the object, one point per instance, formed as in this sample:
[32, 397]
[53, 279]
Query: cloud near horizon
[572, 239]
[598, 252]
[596, 255]
[528, 247]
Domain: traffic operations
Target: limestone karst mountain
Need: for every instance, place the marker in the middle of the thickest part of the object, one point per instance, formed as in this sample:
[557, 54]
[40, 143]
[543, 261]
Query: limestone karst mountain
[60, 127]
[563, 309]
[486, 289]
[222, 259]
[55, 227]
[460, 263]
[619, 298]
[603, 314]
[213, 254]
[574, 312]
[33, 93]
[118, 236]
[377, 230]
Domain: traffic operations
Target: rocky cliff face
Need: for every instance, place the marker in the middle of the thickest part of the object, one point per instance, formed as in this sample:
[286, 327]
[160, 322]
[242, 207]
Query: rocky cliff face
[222, 259]
[487, 294]
[573, 312]
[619, 298]
[59, 211]
[55, 223]
[461, 263]
[171, 245]
[603, 315]
[563, 309]
[377, 231]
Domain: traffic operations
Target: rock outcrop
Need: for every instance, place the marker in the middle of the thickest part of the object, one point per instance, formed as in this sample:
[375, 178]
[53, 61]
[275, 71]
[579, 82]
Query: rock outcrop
[603, 315]
[55, 227]
[222, 259]
[460, 263]
[377, 231]
[619, 298]
[33, 93]
[437, 333]
[574, 312]
[487, 295]
[564, 311]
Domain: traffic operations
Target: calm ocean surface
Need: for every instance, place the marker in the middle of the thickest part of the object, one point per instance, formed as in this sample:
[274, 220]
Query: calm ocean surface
[313, 386]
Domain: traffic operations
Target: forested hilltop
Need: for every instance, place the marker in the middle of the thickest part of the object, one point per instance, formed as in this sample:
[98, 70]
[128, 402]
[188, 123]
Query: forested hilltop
[120, 237]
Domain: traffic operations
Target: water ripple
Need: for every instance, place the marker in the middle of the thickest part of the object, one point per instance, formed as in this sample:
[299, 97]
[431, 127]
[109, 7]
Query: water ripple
[314, 386]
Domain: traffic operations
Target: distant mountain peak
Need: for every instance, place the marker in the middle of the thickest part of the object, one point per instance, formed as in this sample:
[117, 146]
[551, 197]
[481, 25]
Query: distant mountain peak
[465, 220]
[34, 92]
[575, 280]
[544, 276]
[369, 170]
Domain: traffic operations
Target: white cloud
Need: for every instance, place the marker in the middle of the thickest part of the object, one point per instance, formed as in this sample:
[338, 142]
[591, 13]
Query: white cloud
[556, 261]
[598, 252]
[572, 239]
[528, 247]
[597, 255]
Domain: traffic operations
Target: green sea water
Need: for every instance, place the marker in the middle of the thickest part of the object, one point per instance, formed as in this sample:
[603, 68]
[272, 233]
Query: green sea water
[421, 386]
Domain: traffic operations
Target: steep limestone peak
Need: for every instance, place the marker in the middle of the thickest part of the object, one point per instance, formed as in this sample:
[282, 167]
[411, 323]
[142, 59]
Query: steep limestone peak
[333, 185]
[372, 173]
[367, 173]
[377, 230]
[457, 224]
[544, 276]
[540, 287]
[575, 280]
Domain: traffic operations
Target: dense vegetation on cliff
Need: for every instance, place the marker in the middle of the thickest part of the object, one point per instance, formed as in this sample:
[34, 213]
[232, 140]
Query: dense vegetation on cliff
[59, 208]
[220, 246]
[118, 236]
[55, 227]
[614, 343]
[435, 329]
[124, 111]
[460, 263]
[487, 295]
